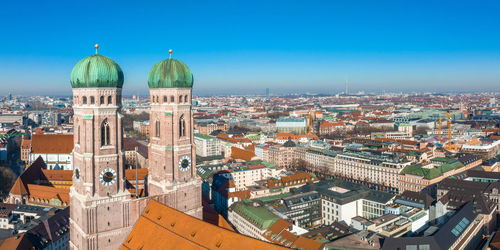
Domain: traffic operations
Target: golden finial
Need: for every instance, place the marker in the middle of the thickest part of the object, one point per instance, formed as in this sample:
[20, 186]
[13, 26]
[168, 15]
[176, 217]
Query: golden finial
[170, 52]
[96, 46]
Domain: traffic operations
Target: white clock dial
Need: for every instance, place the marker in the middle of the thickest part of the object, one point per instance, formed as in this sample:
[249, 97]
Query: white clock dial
[107, 177]
[77, 173]
[185, 163]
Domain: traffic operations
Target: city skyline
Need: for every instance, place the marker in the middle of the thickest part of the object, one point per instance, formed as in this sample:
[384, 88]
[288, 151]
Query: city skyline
[241, 48]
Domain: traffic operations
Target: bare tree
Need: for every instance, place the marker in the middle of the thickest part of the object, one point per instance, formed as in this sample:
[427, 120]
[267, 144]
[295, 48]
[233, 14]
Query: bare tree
[422, 130]
[7, 179]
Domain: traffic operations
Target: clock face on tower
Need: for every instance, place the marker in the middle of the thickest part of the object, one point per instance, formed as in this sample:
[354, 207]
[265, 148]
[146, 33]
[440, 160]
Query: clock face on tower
[107, 177]
[185, 163]
[77, 173]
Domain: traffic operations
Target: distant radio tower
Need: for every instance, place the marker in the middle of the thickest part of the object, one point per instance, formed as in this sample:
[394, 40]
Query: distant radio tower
[346, 88]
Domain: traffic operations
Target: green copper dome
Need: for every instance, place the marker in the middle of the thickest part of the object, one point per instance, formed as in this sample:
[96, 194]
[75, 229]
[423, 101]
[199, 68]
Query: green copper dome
[97, 71]
[170, 73]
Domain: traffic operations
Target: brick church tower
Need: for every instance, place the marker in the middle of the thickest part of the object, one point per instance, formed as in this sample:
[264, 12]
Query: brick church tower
[172, 162]
[99, 201]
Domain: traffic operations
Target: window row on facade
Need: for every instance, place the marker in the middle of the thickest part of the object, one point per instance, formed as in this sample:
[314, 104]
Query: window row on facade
[172, 99]
[103, 100]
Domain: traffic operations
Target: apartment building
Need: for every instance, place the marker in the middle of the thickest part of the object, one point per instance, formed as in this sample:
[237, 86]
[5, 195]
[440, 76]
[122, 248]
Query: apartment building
[303, 209]
[417, 177]
[485, 150]
[281, 155]
[207, 145]
[251, 218]
[319, 159]
[248, 173]
[462, 231]
[382, 169]
[55, 149]
[343, 200]
[207, 128]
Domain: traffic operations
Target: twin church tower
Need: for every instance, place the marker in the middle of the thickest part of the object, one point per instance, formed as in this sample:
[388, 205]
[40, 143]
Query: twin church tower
[102, 209]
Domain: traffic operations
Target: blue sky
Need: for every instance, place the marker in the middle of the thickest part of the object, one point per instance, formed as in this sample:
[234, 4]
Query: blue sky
[246, 46]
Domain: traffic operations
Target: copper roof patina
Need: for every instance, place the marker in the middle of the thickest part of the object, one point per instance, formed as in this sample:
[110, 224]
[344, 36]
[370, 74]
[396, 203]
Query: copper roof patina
[97, 71]
[170, 73]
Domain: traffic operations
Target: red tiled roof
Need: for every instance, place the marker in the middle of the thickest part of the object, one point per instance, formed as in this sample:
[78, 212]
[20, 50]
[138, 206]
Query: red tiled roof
[25, 143]
[18, 187]
[491, 130]
[52, 143]
[162, 227]
[234, 138]
[279, 234]
[46, 193]
[238, 153]
[32, 173]
[130, 174]
[256, 166]
[58, 175]
[290, 136]
[332, 124]
[17, 242]
[285, 181]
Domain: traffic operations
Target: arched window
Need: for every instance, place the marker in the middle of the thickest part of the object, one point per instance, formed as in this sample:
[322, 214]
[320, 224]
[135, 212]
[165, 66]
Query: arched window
[152, 99]
[180, 99]
[185, 98]
[157, 99]
[92, 100]
[109, 100]
[105, 140]
[182, 126]
[84, 100]
[101, 101]
[157, 128]
[172, 99]
[164, 99]
[78, 138]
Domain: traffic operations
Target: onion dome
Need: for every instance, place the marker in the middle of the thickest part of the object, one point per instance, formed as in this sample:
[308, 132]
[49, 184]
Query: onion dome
[97, 71]
[170, 73]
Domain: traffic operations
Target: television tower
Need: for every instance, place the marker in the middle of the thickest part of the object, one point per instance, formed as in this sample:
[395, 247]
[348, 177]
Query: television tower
[346, 88]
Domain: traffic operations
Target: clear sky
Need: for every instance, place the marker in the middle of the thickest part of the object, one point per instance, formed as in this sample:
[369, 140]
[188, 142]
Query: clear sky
[246, 46]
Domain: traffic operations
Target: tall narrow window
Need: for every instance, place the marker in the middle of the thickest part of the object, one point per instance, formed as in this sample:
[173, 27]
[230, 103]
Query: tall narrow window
[109, 100]
[182, 126]
[180, 99]
[164, 99]
[185, 98]
[92, 100]
[78, 138]
[101, 101]
[157, 128]
[172, 99]
[105, 140]
[84, 100]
